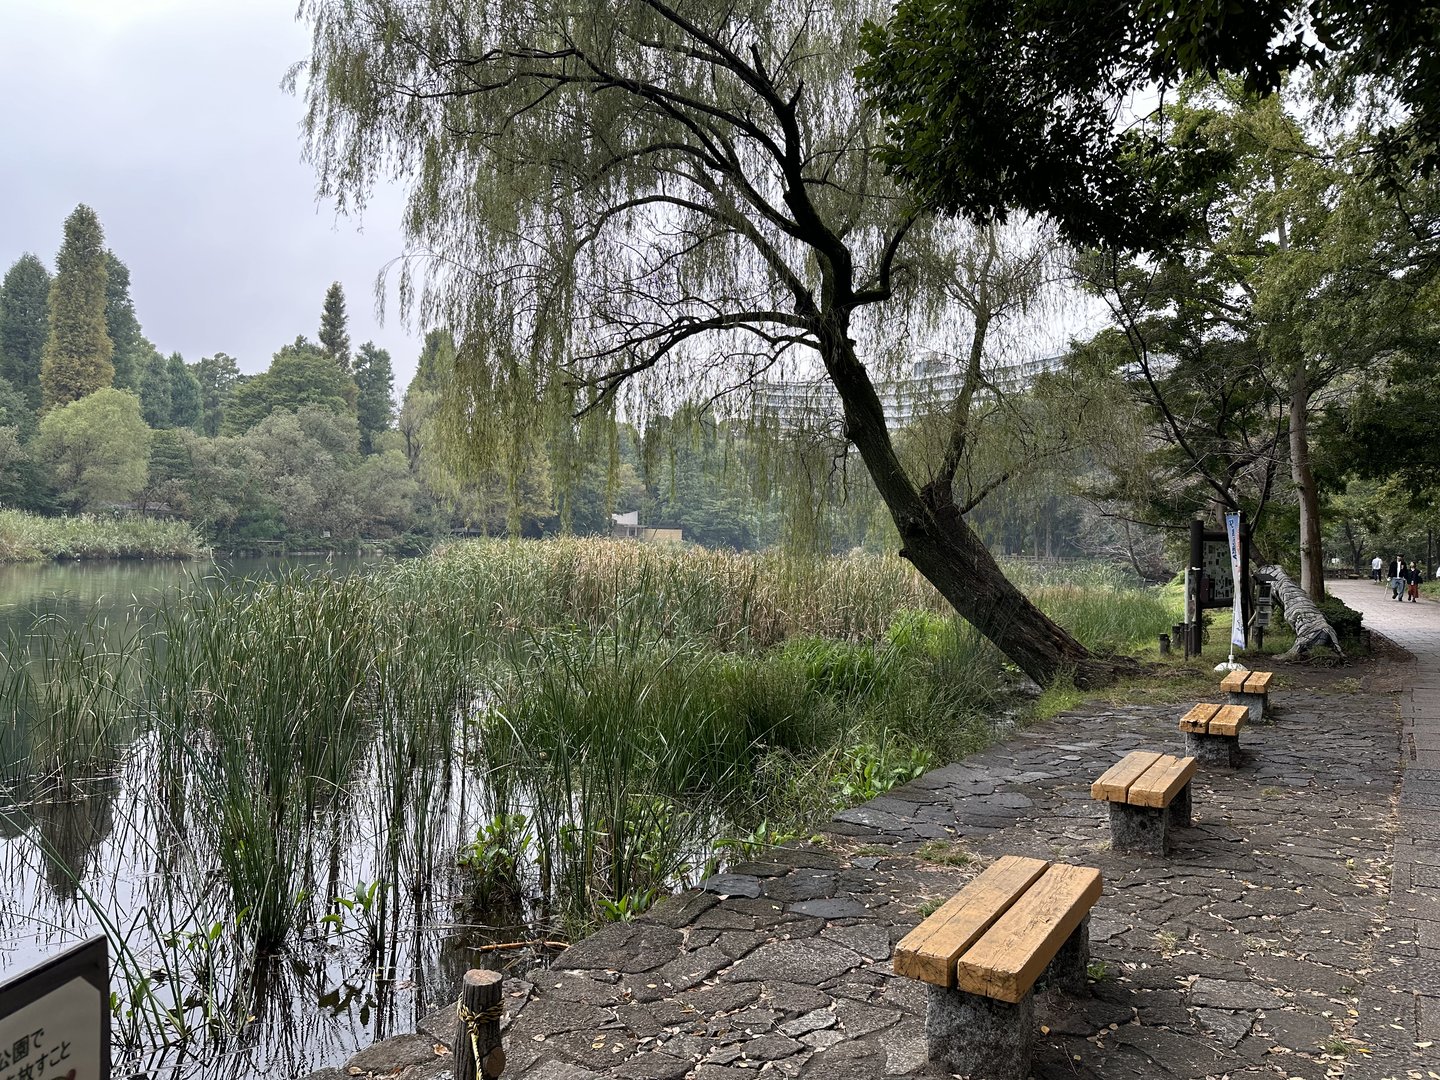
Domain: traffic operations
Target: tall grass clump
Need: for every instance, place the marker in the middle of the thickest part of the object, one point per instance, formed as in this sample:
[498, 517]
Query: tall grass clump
[68, 697]
[28, 537]
[727, 599]
[264, 720]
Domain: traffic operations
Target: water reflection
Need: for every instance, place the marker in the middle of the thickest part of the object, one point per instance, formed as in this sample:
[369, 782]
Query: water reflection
[72, 864]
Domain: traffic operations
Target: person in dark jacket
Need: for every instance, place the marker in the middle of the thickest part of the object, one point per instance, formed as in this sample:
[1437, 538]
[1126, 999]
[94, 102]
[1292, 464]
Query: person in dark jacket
[1414, 578]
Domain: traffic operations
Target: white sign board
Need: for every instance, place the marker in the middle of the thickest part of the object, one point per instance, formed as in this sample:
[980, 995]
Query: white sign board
[55, 1019]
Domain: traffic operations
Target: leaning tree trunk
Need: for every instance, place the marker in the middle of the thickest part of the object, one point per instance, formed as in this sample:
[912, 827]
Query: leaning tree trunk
[939, 543]
[1311, 628]
[953, 559]
[1312, 555]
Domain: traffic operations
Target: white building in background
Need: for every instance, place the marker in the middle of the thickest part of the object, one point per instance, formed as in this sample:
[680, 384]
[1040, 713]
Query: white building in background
[928, 383]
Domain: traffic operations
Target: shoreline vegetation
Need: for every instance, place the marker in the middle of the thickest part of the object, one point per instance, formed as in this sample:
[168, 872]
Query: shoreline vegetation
[539, 736]
[26, 537]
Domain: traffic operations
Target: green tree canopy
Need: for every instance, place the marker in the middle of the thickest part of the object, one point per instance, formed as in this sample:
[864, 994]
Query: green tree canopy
[185, 406]
[77, 355]
[132, 351]
[24, 325]
[155, 389]
[335, 327]
[217, 376]
[97, 448]
[1000, 107]
[300, 374]
[374, 403]
[656, 202]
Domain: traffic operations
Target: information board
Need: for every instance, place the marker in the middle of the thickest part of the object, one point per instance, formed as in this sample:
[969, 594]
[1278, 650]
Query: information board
[55, 1019]
[1217, 581]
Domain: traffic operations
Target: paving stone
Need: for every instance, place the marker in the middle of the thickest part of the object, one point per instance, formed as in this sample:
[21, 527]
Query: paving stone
[732, 885]
[799, 885]
[816, 1020]
[550, 1069]
[809, 962]
[835, 908]
[792, 999]
[629, 947]
[1228, 1028]
[1297, 1030]
[652, 1066]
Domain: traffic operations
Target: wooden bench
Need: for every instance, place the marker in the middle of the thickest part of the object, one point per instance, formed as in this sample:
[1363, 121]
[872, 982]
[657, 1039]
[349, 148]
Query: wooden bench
[982, 952]
[1212, 732]
[1251, 689]
[1148, 793]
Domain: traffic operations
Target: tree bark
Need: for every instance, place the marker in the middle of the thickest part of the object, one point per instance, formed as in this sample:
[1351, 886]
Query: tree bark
[1312, 555]
[943, 548]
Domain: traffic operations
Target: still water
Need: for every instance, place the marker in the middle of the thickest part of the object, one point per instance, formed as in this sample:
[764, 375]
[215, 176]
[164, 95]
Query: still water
[83, 854]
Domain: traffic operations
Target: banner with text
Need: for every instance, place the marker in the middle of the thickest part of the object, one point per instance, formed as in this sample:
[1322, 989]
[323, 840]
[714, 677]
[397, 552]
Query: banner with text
[1237, 608]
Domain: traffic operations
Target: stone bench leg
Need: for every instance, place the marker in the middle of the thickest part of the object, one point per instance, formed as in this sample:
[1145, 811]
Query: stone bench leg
[1071, 966]
[978, 1036]
[1179, 809]
[1214, 749]
[1138, 828]
[1256, 703]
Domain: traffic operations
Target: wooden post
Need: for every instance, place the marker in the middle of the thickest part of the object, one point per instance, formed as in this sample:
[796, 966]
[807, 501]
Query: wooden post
[477, 1051]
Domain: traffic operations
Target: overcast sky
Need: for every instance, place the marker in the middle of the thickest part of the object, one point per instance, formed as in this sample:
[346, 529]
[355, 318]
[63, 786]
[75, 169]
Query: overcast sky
[167, 117]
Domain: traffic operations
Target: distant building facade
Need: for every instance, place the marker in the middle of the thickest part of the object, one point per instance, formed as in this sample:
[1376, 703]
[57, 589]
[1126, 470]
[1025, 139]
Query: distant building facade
[927, 384]
[627, 527]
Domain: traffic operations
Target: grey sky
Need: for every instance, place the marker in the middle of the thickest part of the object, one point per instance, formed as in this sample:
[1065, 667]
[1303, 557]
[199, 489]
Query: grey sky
[167, 117]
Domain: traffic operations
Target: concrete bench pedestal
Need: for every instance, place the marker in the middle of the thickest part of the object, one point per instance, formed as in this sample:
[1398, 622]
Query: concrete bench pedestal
[974, 1035]
[1250, 690]
[1148, 793]
[1212, 733]
[1214, 749]
[1022, 923]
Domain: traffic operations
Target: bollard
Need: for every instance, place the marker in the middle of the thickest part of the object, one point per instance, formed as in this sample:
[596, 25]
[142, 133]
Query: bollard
[477, 1051]
[1164, 644]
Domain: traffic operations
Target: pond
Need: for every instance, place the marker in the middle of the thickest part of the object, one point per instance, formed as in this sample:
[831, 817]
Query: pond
[301, 799]
[102, 834]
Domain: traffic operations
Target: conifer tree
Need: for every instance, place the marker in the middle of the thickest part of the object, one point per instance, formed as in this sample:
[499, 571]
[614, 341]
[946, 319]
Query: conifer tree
[155, 390]
[334, 327]
[218, 376]
[374, 408]
[78, 351]
[131, 348]
[24, 325]
[185, 406]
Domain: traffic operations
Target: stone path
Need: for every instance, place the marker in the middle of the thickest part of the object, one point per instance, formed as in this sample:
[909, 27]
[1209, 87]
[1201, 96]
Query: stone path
[1415, 881]
[1289, 934]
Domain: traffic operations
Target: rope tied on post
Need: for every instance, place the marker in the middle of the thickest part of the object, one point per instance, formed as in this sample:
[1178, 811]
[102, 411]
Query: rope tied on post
[477, 1023]
[473, 1018]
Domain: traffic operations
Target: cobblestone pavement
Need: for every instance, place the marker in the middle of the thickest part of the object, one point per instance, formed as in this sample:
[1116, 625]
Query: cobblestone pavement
[1414, 909]
[1267, 944]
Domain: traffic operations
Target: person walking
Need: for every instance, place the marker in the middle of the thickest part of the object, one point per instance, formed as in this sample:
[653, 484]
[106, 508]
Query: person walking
[1375, 567]
[1398, 570]
[1414, 578]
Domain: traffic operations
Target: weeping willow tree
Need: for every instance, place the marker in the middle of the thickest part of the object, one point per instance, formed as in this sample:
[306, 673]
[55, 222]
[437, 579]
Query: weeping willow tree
[622, 204]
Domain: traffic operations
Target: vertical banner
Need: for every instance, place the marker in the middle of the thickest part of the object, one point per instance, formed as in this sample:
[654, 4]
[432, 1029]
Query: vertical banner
[1237, 624]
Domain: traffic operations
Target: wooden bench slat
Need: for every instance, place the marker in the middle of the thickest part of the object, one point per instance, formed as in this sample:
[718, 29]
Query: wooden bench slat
[1258, 682]
[1114, 783]
[928, 952]
[1198, 718]
[1234, 682]
[1162, 782]
[1009, 957]
[1228, 720]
